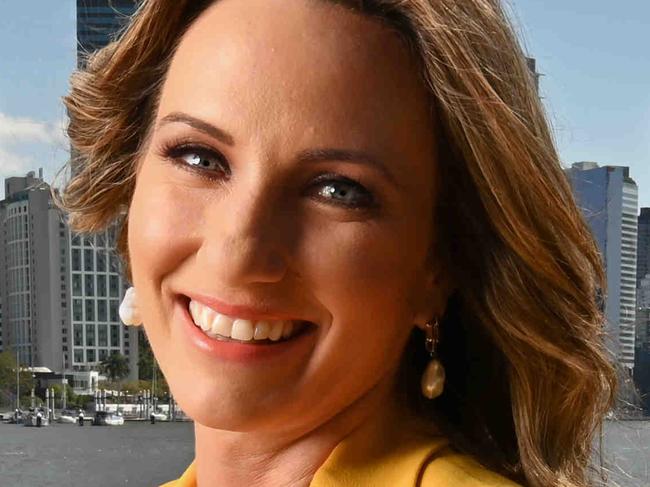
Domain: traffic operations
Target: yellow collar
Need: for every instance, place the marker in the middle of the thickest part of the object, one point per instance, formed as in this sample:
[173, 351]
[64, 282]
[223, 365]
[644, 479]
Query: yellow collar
[392, 449]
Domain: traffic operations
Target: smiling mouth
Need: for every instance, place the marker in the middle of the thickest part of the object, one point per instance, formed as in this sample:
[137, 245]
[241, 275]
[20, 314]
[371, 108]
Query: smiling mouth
[233, 329]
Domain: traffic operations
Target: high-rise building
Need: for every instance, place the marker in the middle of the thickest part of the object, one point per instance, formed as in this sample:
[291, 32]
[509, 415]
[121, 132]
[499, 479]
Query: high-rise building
[643, 245]
[608, 198]
[643, 283]
[60, 292]
[97, 282]
[643, 314]
[98, 22]
[97, 288]
[642, 350]
[33, 264]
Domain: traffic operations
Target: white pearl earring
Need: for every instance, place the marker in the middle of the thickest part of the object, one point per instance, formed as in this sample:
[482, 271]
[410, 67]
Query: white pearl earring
[129, 309]
[433, 379]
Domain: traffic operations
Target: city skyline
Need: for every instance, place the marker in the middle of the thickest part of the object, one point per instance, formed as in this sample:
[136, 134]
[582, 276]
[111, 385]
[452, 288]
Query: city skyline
[608, 198]
[594, 87]
[75, 279]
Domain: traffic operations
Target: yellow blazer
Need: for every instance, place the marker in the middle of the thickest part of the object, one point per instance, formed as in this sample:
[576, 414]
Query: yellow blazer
[391, 451]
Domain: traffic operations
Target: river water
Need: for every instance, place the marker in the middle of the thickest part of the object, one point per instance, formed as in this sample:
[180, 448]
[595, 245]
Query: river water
[139, 454]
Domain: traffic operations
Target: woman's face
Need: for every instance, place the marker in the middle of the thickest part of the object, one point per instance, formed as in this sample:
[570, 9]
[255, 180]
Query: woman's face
[289, 176]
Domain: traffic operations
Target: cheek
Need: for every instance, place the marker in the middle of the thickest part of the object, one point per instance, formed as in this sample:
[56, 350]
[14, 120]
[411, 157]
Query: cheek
[160, 229]
[365, 275]
[366, 272]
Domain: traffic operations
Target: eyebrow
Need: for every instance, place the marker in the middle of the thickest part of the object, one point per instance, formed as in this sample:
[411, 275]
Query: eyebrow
[307, 155]
[198, 124]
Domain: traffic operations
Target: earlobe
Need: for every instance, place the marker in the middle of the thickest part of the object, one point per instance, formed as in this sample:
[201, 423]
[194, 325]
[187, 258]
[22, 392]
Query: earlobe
[437, 290]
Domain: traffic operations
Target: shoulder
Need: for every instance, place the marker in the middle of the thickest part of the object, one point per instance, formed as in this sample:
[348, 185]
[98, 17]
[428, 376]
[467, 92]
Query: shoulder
[409, 460]
[450, 468]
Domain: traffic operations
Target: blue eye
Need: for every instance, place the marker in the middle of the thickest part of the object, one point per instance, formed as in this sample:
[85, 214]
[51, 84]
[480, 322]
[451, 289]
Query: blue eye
[196, 159]
[344, 192]
[209, 163]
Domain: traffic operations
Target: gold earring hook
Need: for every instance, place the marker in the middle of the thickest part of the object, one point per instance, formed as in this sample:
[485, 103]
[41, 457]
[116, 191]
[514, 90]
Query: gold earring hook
[432, 331]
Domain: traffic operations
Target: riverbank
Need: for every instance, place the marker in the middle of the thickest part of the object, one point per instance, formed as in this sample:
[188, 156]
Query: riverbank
[134, 454]
[140, 454]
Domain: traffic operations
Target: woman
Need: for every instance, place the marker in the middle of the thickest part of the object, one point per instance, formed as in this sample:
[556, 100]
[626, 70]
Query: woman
[351, 243]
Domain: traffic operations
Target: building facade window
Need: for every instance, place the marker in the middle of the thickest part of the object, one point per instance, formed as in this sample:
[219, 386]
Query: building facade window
[78, 355]
[89, 260]
[90, 335]
[76, 259]
[114, 286]
[89, 284]
[101, 285]
[78, 336]
[76, 284]
[102, 314]
[115, 336]
[90, 309]
[76, 310]
[102, 336]
[114, 307]
[101, 261]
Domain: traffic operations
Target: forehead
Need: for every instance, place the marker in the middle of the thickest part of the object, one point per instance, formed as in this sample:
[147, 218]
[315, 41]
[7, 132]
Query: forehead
[310, 70]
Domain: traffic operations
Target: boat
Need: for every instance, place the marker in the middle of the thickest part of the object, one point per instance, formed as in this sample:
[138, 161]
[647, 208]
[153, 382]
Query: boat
[36, 417]
[68, 416]
[158, 416]
[107, 418]
[13, 418]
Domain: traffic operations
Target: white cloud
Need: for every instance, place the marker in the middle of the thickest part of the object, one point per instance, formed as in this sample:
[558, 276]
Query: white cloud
[12, 164]
[16, 130]
[27, 145]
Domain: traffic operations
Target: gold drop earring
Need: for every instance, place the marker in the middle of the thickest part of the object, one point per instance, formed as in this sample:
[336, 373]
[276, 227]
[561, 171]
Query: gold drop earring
[433, 379]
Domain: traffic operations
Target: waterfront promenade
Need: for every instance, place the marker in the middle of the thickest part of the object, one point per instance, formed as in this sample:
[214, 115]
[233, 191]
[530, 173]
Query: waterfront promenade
[139, 454]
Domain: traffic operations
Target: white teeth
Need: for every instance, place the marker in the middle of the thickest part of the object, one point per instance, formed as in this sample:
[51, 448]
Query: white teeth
[198, 313]
[222, 325]
[262, 329]
[206, 317]
[242, 330]
[276, 330]
[215, 324]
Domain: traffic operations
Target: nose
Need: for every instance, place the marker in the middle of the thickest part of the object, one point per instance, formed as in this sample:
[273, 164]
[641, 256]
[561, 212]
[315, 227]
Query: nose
[244, 239]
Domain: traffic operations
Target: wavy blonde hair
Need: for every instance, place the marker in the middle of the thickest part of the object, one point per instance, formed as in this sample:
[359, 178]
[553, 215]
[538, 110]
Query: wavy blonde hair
[528, 378]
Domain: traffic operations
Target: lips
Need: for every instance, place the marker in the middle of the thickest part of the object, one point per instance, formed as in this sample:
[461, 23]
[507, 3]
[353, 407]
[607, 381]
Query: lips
[249, 312]
[225, 327]
[296, 346]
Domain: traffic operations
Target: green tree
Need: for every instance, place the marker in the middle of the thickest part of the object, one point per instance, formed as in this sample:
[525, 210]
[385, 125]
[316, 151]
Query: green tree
[58, 394]
[115, 366]
[7, 369]
[8, 375]
[145, 357]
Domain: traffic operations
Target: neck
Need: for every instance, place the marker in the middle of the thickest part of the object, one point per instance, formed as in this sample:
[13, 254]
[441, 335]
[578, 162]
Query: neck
[230, 458]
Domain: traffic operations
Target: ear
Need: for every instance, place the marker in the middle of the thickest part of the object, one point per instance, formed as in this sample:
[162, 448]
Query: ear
[438, 286]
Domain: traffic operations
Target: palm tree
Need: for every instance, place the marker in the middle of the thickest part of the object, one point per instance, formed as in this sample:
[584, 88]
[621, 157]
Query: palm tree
[116, 366]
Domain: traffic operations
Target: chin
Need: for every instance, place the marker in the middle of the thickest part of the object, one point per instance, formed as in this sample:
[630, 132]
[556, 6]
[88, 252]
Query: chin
[218, 406]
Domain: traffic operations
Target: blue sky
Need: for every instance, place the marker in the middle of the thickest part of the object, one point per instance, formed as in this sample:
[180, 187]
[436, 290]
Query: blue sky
[593, 53]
